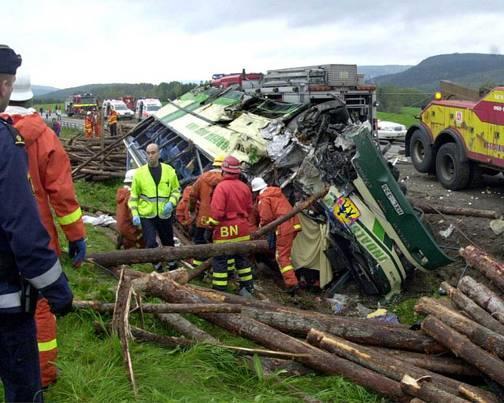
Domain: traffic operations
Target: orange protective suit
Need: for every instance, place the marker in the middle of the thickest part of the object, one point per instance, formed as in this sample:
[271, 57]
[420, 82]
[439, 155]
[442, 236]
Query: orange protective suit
[88, 126]
[273, 204]
[131, 236]
[201, 193]
[182, 212]
[51, 179]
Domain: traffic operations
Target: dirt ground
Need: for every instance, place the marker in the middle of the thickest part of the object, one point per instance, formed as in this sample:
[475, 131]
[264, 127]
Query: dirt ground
[489, 195]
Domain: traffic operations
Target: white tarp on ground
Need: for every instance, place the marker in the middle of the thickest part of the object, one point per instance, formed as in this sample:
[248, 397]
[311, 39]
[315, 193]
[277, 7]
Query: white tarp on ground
[308, 249]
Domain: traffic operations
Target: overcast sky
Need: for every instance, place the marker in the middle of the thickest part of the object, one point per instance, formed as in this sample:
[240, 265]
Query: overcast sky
[65, 43]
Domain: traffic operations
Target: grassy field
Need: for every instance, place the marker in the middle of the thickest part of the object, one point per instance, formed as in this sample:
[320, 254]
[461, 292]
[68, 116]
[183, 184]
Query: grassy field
[406, 117]
[60, 105]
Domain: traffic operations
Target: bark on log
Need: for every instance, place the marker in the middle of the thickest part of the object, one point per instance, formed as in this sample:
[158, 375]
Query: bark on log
[276, 340]
[462, 347]
[296, 209]
[168, 253]
[105, 307]
[479, 335]
[424, 390]
[491, 268]
[429, 208]
[186, 328]
[472, 309]
[373, 359]
[203, 267]
[483, 296]
[470, 395]
[446, 365]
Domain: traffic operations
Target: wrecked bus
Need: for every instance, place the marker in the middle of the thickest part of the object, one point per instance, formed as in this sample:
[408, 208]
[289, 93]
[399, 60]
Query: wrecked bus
[364, 229]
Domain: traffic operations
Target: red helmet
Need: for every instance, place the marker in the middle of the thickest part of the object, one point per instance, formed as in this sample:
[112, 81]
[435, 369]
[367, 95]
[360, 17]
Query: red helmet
[231, 165]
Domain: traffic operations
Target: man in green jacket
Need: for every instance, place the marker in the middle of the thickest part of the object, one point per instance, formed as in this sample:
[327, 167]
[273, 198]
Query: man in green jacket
[155, 192]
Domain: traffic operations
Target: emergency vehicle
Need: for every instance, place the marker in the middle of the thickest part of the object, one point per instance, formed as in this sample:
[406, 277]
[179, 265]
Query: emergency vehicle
[80, 104]
[146, 107]
[123, 112]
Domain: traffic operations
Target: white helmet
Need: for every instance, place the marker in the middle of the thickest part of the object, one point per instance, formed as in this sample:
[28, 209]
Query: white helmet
[128, 178]
[22, 90]
[258, 184]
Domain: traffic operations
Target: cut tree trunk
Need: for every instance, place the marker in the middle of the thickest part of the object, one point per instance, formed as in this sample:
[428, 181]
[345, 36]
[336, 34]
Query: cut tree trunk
[483, 296]
[462, 347]
[440, 364]
[491, 268]
[186, 328]
[105, 307]
[168, 253]
[276, 340]
[373, 359]
[429, 208]
[472, 309]
[478, 334]
[423, 389]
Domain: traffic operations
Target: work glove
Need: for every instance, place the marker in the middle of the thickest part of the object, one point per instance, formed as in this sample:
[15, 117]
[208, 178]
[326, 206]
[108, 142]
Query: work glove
[168, 210]
[136, 221]
[77, 251]
[59, 295]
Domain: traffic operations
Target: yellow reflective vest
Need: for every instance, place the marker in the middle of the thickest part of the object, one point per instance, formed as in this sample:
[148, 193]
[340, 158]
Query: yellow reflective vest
[148, 200]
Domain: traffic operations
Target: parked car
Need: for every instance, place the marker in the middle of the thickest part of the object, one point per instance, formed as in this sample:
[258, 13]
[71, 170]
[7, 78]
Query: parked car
[391, 130]
[119, 106]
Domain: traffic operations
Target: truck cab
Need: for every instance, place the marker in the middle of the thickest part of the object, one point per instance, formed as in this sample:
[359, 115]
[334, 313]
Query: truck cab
[459, 140]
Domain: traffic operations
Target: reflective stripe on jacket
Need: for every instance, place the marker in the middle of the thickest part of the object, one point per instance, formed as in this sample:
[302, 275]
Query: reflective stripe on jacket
[273, 204]
[51, 178]
[148, 200]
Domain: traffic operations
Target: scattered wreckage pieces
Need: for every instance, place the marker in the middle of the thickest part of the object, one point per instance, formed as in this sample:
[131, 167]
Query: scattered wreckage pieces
[429, 208]
[480, 260]
[478, 334]
[390, 366]
[274, 339]
[168, 253]
[462, 347]
[472, 309]
[483, 296]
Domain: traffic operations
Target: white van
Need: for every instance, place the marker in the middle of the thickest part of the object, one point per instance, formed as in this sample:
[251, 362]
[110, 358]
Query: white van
[119, 106]
[146, 107]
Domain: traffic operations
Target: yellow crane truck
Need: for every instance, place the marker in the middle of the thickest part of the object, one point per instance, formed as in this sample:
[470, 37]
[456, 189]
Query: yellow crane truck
[458, 140]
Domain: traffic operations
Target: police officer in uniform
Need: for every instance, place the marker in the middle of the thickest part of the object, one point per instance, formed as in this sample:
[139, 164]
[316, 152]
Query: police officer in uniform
[27, 265]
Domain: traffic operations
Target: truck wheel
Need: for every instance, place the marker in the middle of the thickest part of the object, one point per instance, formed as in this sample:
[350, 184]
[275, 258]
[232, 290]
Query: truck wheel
[451, 172]
[421, 152]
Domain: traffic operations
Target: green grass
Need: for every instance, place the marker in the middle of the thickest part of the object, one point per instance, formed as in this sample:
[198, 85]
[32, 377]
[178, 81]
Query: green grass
[46, 107]
[406, 117]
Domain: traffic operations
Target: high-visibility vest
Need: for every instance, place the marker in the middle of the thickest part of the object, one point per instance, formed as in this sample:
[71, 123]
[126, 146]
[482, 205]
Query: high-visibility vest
[148, 200]
[112, 119]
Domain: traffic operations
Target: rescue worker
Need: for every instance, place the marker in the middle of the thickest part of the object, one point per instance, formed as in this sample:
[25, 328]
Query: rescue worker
[27, 265]
[182, 211]
[201, 196]
[88, 125]
[131, 236]
[155, 192]
[112, 122]
[230, 208]
[272, 204]
[51, 179]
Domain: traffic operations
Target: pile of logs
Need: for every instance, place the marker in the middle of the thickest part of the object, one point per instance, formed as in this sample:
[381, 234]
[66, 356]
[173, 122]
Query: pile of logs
[96, 159]
[459, 348]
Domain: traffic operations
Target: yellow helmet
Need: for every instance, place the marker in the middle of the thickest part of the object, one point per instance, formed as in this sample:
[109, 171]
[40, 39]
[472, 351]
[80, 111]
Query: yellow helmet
[218, 160]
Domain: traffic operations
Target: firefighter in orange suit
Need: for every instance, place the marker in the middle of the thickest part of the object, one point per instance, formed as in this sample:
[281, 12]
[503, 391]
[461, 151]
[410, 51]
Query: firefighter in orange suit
[273, 204]
[182, 213]
[231, 206]
[201, 196]
[51, 179]
[88, 125]
[130, 235]
[112, 122]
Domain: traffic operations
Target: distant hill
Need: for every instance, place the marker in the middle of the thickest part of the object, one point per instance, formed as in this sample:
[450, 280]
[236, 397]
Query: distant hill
[375, 71]
[116, 90]
[42, 89]
[471, 69]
